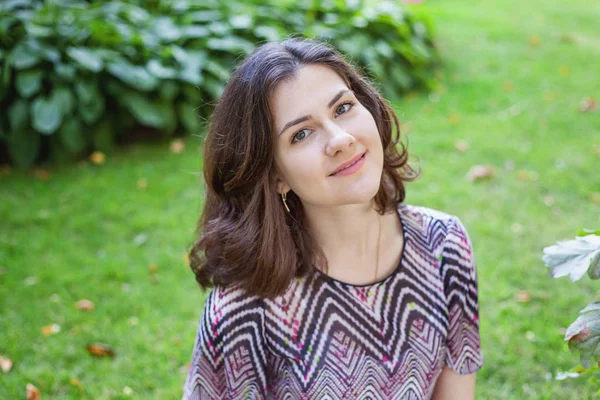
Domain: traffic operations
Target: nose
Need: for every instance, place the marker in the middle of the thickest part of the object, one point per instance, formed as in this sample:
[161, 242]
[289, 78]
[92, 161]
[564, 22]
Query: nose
[339, 139]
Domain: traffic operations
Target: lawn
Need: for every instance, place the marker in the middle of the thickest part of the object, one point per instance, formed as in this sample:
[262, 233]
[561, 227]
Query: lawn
[116, 233]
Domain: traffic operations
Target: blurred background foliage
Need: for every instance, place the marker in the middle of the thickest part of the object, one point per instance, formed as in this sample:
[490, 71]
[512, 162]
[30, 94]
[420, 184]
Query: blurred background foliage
[80, 76]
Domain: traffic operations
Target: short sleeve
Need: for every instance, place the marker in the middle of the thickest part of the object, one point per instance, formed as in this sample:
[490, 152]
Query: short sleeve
[459, 274]
[229, 357]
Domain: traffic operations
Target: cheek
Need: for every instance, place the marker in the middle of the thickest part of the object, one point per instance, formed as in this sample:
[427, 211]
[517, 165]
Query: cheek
[304, 164]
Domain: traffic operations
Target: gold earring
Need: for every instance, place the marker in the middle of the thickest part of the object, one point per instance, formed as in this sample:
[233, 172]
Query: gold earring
[284, 197]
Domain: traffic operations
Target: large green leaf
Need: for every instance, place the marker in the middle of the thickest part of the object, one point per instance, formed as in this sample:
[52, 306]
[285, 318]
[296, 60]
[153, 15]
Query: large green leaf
[65, 71]
[267, 32]
[23, 146]
[87, 58]
[160, 71]
[29, 82]
[134, 75]
[147, 112]
[87, 90]
[11, 5]
[214, 87]
[38, 30]
[46, 114]
[18, 114]
[203, 16]
[22, 57]
[230, 44]
[169, 90]
[66, 99]
[194, 32]
[166, 30]
[103, 136]
[73, 135]
[5, 80]
[92, 111]
[189, 117]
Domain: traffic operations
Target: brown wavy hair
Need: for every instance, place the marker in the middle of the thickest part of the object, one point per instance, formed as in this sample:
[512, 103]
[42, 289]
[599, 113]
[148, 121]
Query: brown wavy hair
[246, 237]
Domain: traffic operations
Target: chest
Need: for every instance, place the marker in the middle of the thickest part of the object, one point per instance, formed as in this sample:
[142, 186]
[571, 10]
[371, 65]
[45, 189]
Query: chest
[355, 340]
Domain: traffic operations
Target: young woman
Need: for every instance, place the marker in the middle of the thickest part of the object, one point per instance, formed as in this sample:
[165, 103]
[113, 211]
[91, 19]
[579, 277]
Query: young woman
[324, 283]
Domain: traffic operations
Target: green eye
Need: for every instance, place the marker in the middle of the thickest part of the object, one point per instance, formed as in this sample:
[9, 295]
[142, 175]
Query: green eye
[299, 136]
[349, 106]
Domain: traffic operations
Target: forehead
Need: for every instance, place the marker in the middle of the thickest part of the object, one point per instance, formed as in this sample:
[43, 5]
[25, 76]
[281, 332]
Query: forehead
[309, 90]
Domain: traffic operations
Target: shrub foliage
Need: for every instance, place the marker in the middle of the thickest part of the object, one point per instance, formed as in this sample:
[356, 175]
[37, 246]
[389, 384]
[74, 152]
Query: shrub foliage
[77, 76]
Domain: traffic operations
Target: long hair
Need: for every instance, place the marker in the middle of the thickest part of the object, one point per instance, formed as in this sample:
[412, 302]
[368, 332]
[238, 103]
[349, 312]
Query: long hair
[245, 236]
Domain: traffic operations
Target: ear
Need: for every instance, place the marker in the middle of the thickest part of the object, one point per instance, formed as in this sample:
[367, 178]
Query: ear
[281, 185]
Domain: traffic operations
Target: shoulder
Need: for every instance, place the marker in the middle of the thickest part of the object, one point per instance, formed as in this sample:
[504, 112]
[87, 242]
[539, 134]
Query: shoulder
[435, 225]
[226, 308]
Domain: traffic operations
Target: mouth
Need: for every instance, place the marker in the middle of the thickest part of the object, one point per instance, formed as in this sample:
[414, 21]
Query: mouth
[351, 168]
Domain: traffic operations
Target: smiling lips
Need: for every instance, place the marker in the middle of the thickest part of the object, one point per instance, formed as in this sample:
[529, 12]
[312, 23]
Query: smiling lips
[351, 166]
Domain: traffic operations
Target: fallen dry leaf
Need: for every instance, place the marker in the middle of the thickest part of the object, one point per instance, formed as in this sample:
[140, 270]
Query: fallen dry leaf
[562, 331]
[185, 368]
[548, 200]
[525, 175]
[177, 146]
[84, 305]
[453, 119]
[587, 104]
[100, 350]
[50, 329]
[41, 174]
[98, 157]
[461, 145]
[508, 86]
[534, 40]
[517, 228]
[33, 393]
[480, 172]
[75, 382]
[153, 267]
[6, 364]
[142, 183]
[31, 280]
[522, 174]
[530, 335]
[523, 296]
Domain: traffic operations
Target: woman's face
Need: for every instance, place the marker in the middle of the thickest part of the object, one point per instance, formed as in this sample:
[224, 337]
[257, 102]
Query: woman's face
[320, 125]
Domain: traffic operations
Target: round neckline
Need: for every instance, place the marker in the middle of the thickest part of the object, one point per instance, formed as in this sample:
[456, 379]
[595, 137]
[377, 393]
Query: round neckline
[394, 271]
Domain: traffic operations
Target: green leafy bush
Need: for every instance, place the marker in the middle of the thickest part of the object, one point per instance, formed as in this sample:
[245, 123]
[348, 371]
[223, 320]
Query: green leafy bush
[78, 76]
[577, 258]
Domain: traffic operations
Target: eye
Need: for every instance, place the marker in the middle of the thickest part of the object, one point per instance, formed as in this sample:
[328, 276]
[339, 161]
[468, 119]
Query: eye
[345, 106]
[299, 136]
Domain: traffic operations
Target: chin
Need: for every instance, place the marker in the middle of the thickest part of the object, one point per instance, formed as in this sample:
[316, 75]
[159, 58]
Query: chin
[359, 196]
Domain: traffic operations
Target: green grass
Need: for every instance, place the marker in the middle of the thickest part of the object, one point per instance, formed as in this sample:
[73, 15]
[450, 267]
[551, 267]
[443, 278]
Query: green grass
[76, 232]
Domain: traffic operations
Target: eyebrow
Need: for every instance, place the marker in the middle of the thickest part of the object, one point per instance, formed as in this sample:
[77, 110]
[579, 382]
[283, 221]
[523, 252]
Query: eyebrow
[307, 117]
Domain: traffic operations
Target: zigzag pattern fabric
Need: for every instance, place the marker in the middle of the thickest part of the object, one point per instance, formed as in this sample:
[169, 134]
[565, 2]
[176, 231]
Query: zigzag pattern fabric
[326, 339]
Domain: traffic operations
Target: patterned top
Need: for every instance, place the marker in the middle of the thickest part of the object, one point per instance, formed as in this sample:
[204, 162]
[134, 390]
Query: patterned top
[327, 339]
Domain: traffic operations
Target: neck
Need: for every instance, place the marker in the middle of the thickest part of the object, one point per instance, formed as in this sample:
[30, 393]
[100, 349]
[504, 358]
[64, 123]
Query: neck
[347, 232]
